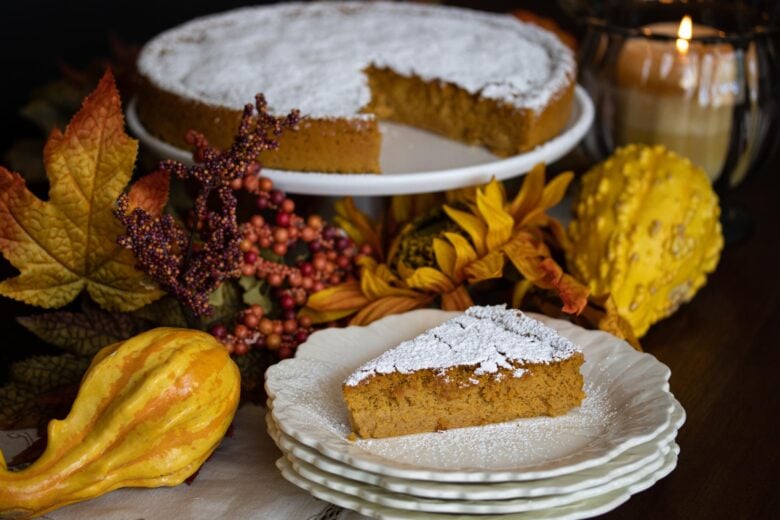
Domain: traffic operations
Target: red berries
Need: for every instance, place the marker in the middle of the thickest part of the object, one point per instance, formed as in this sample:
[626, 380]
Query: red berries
[268, 238]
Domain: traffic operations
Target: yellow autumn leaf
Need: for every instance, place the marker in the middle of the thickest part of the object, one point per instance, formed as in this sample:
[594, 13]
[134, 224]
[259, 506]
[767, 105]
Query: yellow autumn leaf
[69, 243]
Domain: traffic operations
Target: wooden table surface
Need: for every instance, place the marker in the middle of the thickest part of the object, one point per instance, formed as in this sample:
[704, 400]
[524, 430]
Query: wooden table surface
[724, 352]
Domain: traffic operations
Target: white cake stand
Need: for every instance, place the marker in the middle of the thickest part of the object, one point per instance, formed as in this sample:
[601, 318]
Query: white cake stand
[413, 161]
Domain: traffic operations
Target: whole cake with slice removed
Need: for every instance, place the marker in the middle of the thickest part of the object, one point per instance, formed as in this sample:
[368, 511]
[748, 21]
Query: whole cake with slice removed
[488, 365]
[476, 77]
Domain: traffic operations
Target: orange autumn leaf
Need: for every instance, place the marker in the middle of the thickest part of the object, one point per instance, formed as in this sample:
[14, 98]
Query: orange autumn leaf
[532, 259]
[150, 193]
[573, 294]
[68, 243]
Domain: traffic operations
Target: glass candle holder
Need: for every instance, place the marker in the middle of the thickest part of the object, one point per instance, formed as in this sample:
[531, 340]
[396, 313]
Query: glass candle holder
[699, 77]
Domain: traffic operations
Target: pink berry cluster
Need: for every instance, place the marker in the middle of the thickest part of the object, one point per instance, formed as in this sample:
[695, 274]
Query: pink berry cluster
[273, 241]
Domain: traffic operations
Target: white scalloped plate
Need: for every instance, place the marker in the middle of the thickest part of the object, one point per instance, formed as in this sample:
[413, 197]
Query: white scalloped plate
[413, 161]
[628, 403]
[632, 460]
[379, 496]
[581, 509]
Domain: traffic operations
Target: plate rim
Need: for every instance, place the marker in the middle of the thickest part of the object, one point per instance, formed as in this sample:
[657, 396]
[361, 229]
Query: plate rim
[459, 491]
[616, 498]
[380, 496]
[363, 184]
[377, 464]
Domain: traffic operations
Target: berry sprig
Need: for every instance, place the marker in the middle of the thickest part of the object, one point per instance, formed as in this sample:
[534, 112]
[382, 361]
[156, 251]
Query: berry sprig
[295, 257]
[190, 263]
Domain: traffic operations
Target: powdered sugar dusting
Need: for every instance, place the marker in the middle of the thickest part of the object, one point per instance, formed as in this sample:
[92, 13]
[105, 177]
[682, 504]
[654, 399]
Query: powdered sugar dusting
[486, 338]
[312, 56]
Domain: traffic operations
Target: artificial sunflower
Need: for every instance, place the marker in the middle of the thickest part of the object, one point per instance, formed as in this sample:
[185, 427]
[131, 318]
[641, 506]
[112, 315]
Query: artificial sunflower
[488, 230]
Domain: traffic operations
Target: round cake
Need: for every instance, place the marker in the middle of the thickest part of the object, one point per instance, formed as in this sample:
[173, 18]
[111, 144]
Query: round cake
[479, 78]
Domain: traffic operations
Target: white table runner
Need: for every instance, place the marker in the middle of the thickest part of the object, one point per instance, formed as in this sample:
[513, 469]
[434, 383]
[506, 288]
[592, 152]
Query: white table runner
[240, 481]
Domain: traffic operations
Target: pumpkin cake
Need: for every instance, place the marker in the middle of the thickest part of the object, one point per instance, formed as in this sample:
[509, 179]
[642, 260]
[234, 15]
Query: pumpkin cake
[491, 364]
[476, 77]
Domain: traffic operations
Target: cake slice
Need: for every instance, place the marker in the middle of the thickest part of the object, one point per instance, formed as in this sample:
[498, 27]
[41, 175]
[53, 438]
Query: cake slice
[491, 364]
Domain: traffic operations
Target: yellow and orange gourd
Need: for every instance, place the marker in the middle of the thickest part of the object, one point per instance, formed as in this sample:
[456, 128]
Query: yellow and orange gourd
[149, 412]
[646, 230]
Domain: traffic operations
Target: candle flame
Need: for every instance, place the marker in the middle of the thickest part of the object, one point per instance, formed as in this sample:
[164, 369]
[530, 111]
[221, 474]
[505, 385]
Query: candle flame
[684, 34]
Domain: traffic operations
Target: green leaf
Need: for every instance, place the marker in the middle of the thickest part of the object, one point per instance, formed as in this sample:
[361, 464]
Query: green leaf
[45, 373]
[83, 333]
[252, 367]
[19, 407]
[255, 292]
[165, 312]
[225, 302]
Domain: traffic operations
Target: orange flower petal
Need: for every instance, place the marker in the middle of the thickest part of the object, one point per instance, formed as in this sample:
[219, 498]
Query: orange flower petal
[494, 191]
[464, 254]
[445, 256]
[573, 294]
[520, 290]
[359, 227]
[375, 285]
[487, 267]
[530, 193]
[457, 300]
[347, 296]
[556, 189]
[430, 280]
[499, 222]
[325, 316]
[387, 306]
[552, 195]
[525, 253]
[472, 225]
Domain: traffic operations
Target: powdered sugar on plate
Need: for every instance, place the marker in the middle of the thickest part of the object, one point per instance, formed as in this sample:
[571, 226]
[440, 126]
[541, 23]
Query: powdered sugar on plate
[486, 338]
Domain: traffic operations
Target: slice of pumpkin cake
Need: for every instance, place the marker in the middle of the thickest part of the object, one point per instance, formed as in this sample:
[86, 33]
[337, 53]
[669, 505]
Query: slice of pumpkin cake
[491, 364]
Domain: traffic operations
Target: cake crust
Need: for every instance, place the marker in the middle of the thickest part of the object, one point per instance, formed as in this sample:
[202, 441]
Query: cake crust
[198, 76]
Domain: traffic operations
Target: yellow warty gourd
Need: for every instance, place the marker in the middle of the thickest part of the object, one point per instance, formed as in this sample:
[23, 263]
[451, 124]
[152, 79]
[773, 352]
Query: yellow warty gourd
[149, 412]
[647, 230]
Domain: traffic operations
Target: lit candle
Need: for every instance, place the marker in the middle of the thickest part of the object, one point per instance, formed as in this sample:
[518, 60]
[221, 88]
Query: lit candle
[678, 93]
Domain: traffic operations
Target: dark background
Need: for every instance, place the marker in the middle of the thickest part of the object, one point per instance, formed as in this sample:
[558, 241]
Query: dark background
[37, 36]
[40, 38]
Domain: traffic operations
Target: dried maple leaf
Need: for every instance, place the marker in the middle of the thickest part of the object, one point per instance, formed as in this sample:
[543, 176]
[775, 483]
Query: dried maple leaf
[68, 243]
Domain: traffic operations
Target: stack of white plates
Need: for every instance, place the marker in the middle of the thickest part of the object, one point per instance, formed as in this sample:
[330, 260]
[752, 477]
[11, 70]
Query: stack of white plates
[619, 442]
